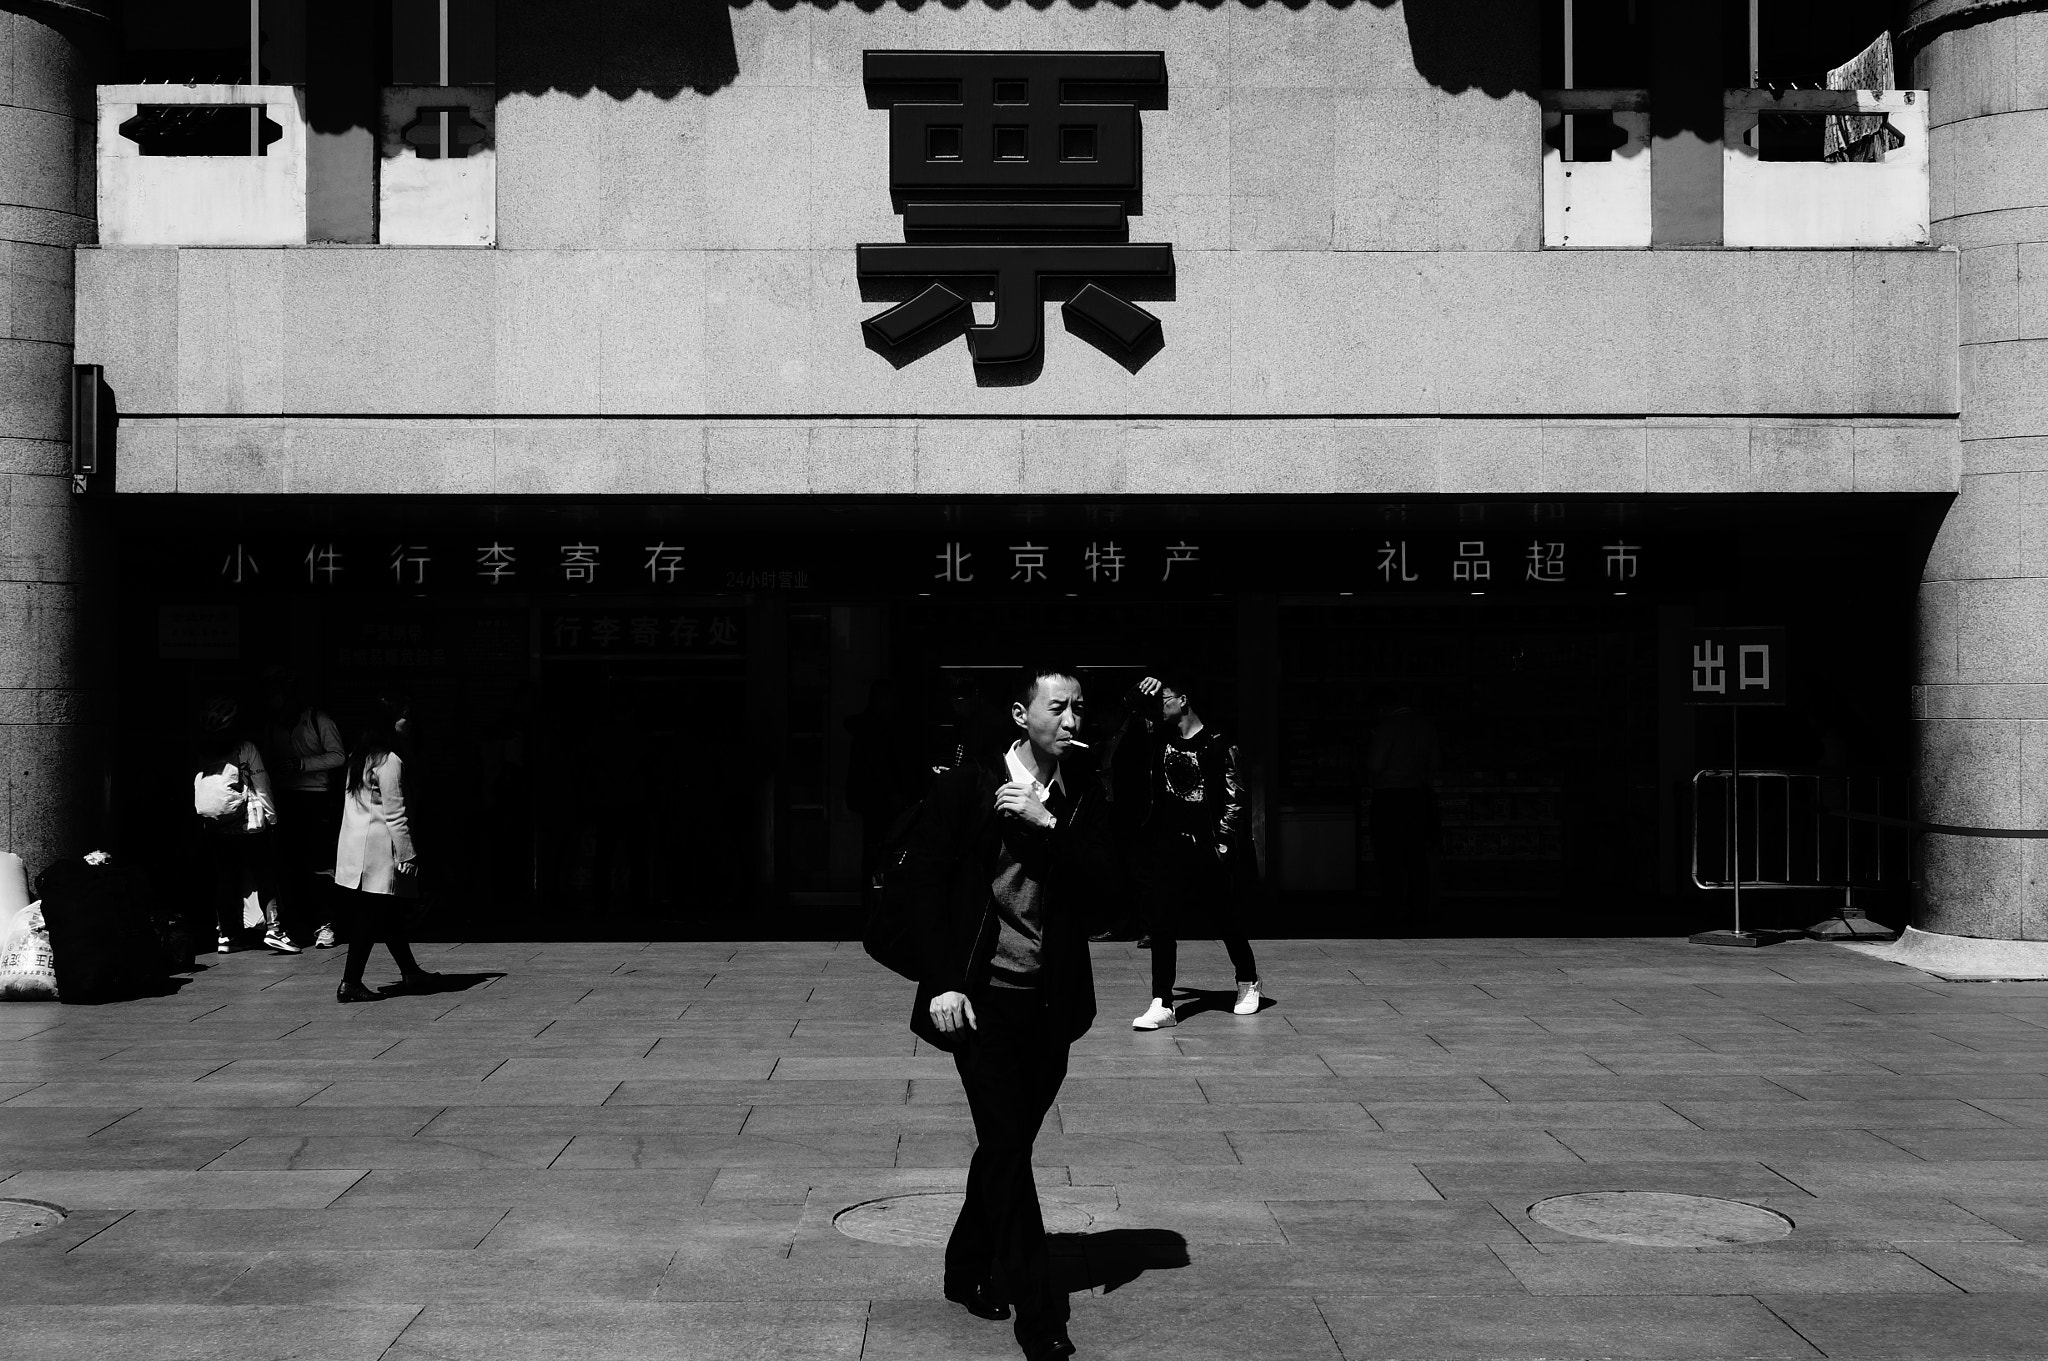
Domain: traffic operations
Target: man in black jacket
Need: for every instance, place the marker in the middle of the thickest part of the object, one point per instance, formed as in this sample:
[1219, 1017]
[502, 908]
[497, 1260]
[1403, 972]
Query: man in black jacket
[1193, 859]
[1004, 865]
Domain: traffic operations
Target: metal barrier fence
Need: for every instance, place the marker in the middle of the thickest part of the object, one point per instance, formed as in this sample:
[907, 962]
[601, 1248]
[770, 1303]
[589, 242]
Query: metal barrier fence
[1808, 828]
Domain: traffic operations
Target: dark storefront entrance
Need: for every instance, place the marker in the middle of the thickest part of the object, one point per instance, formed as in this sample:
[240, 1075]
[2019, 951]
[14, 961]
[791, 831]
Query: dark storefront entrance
[647, 725]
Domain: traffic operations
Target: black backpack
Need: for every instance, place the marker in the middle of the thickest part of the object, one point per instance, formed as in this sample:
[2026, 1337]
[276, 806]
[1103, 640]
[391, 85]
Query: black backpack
[891, 936]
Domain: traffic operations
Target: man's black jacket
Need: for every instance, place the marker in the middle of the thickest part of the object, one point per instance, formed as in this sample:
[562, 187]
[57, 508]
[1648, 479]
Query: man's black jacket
[950, 867]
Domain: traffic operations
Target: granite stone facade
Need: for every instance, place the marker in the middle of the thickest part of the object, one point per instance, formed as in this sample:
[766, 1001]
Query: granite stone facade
[1361, 307]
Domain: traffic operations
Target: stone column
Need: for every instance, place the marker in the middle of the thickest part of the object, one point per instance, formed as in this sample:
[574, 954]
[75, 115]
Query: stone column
[1982, 697]
[49, 751]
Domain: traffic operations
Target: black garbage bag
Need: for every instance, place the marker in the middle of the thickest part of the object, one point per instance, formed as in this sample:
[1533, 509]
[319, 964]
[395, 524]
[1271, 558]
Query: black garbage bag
[101, 933]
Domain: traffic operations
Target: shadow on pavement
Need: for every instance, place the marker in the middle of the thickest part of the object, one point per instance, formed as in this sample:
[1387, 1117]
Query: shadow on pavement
[440, 982]
[1111, 1258]
[1189, 1002]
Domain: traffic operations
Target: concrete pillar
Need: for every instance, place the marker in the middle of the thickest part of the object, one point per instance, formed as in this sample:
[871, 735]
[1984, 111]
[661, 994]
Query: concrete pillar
[49, 755]
[1982, 697]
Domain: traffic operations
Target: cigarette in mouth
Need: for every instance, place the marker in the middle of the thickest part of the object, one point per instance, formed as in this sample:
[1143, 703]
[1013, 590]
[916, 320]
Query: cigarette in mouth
[1077, 742]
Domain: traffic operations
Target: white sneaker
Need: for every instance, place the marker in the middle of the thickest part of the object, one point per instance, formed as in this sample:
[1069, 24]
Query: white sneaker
[222, 944]
[325, 940]
[1247, 999]
[279, 941]
[1156, 1017]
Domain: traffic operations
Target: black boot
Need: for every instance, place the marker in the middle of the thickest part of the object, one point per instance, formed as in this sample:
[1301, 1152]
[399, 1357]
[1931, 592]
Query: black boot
[352, 990]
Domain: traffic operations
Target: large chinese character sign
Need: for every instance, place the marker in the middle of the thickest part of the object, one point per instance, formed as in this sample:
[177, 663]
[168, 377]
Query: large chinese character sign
[1012, 170]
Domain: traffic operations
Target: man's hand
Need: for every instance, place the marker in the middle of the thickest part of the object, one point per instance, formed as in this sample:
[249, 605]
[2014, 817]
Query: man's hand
[952, 1011]
[408, 869]
[1016, 800]
[1150, 686]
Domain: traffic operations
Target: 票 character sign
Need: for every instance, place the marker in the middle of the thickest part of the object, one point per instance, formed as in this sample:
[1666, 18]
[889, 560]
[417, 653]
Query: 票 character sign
[1012, 168]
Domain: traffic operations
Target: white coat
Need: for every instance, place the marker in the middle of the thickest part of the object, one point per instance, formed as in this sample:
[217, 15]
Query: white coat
[376, 837]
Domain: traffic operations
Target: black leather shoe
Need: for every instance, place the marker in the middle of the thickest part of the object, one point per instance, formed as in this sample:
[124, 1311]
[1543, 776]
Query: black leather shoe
[354, 992]
[979, 1299]
[1053, 1348]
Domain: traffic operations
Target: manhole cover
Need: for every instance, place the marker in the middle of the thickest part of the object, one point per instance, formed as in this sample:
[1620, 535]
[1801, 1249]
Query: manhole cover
[20, 1217]
[1660, 1219]
[924, 1219]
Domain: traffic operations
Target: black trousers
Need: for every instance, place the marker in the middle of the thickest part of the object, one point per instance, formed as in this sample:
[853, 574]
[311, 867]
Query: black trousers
[368, 918]
[234, 864]
[1187, 893]
[1012, 1065]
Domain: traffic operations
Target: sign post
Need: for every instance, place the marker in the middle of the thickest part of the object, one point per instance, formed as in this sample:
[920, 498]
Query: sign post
[1734, 668]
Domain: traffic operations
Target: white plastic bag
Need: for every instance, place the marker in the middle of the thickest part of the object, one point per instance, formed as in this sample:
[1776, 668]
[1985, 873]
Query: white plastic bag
[219, 796]
[28, 967]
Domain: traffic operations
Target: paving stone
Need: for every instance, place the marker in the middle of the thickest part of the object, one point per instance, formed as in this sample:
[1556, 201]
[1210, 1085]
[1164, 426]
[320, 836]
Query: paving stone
[1465, 1115]
[516, 1092]
[185, 1332]
[1832, 1223]
[731, 1225]
[1941, 1114]
[1348, 1224]
[125, 1189]
[1917, 1326]
[613, 1331]
[1655, 1271]
[1663, 1327]
[1109, 1118]
[125, 1277]
[300, 1154]
[1224, 1268]
[1959, 1179]
[82, 1154]
[1968, 1145]
[830, 1091]
[1535, 1179]
[2021, 1215]
[1354, 1166]
[221, 1093]
[274, 1230]
[236, 1123]
[1457, 1087]
[565, 1122]
[447, 1277]
[1131, 1324]
[1986, 1268]
[1764, 1145]
[28, 1123]
[1390, 1180]
[1317, 1149]
[505, 1188]
[710, 1151]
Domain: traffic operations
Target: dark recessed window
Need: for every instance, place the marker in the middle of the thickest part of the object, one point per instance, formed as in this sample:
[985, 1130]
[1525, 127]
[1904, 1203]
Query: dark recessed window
[1013, 144]
[942, 144]
[1013, 92]
[1077, 144]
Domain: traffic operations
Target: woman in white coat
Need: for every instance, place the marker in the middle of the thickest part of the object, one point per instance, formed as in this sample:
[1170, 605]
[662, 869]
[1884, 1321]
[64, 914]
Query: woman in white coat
[375, 865]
